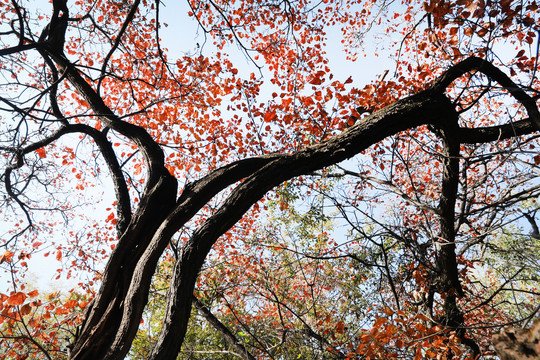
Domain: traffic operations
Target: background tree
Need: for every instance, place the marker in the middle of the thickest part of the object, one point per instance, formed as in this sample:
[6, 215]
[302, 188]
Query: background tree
[444, 161]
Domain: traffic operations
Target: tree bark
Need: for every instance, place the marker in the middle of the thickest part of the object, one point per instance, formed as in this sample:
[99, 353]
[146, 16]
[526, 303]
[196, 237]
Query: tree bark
[112, 320]
[423, 108]
[518, 344]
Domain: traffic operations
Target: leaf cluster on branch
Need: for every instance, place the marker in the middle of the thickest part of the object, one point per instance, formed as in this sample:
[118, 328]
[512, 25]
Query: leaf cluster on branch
[432, 184]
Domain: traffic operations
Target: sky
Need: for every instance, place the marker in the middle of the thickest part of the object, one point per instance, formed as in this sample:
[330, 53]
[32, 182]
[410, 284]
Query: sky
[181, 35]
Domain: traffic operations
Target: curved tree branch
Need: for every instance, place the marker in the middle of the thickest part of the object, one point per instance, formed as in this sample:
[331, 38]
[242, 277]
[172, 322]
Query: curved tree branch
[120, 186]
[426, 107]
[494, 73]
[495, 133]
[152, 152]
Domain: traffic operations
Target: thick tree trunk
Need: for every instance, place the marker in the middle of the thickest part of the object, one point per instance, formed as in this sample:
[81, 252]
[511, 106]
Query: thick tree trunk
[105, 314]
[428, 107]
[112, 322]
[518, 344]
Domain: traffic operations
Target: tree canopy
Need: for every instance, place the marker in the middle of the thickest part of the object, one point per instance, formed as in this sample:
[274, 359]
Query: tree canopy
[300, 215]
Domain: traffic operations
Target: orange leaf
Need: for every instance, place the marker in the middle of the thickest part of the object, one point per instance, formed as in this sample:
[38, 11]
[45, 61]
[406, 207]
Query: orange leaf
[6, 257]
[286, 102]
[61, 311]
[16, 298]
[482, 32]
[41, 152]
[456, 52]
[25, 309]
[418, 355]
[388, 311]
[71, 303]
[379, 322]
[137, 169]
[269, 116]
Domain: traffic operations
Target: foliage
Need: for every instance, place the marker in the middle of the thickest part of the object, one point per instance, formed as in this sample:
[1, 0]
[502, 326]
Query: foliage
[303, 215]
[40, 326]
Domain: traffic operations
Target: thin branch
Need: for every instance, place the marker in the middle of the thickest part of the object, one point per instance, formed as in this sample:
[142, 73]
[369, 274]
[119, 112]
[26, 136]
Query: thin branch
[494, 73]
[229, 337]
[125, 24]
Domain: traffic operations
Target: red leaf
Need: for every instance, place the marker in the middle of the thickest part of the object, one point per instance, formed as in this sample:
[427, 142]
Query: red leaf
[316, 81]
[138, 169]
[269, 116]
[16, 298]
[110, 217]
[340, 327]
[41, 152]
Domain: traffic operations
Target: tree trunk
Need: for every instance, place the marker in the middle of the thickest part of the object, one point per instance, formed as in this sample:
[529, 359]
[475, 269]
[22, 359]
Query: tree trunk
[518, 344]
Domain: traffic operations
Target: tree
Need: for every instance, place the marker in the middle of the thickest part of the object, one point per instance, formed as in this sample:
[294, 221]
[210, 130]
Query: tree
[192, 145]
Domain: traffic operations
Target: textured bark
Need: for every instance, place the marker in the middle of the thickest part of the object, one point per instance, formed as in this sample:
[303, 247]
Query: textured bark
[447, 277]
[106, 314]
[112, 320]
[518, 344]
[448, 281]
